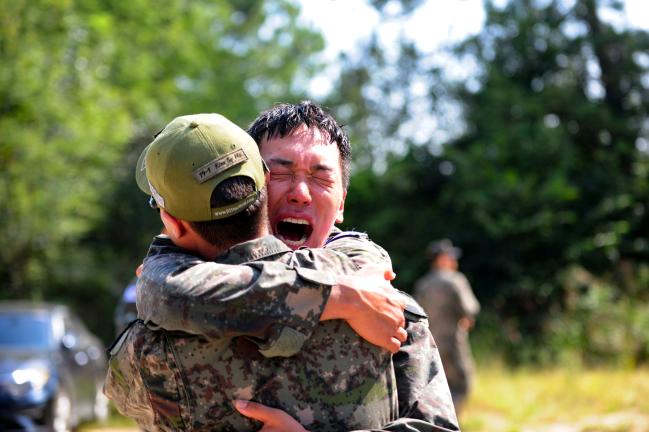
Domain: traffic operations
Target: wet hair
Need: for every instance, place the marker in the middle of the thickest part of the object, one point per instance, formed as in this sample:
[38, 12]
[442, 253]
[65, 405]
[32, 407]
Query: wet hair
[284, 118]
[243, 226]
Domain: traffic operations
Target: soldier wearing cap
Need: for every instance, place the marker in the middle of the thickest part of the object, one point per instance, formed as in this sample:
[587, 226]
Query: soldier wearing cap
[447, 298]
[181, 381]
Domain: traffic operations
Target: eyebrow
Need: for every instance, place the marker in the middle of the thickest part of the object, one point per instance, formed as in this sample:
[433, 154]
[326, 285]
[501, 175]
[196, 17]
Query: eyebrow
[280, 161]
[321, 167]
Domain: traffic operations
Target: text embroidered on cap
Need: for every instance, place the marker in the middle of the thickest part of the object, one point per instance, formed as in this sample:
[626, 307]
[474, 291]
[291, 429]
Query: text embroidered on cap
[220, 164]
[228, 211]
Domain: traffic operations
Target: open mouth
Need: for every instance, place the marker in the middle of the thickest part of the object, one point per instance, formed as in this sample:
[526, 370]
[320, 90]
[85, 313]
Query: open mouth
[293, 232]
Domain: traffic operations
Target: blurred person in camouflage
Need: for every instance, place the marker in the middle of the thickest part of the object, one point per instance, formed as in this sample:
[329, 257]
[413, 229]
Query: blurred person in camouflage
[422, 391]
[446, 296]
[126, 310]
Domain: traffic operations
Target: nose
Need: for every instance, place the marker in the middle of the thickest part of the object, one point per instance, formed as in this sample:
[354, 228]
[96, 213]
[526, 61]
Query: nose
[299, 193]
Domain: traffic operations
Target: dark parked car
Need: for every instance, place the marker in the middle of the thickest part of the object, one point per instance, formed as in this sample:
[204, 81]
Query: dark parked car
[52, 369]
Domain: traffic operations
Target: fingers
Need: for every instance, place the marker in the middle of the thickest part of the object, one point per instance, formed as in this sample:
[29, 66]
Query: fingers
[377, 270]
[393, 345]
[274, 420]
[253, 410]
[402, 334]
[138, 270]
[398, 303]
[402, 319]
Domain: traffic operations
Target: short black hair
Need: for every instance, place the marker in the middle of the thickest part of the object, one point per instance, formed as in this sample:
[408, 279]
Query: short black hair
[240, 227]
[284, 118]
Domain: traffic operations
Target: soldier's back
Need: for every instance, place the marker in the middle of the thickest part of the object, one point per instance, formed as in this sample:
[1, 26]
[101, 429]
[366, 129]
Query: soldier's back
[437, 294]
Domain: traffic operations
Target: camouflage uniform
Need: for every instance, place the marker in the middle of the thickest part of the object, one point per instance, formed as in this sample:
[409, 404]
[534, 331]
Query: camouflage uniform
[446, 296]
[335, 381]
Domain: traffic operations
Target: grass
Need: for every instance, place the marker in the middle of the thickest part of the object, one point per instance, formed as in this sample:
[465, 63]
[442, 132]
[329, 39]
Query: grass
[560, 399]
[533, 400]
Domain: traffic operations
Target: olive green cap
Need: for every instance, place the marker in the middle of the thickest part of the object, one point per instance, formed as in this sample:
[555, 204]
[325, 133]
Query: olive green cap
[190, 157]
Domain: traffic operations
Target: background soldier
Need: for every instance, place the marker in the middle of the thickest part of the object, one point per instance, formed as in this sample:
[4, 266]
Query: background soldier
[446, 296]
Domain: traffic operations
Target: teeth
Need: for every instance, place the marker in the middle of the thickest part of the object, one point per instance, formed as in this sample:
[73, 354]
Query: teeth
[294, 243]
[296, 221]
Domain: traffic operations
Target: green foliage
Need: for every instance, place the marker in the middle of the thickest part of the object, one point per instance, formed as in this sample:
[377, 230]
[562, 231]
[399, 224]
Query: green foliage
[83, 87]
[598, 324]
[407, 197]
[542, 181]
[549, 167]
[51, 91]
[548, 173]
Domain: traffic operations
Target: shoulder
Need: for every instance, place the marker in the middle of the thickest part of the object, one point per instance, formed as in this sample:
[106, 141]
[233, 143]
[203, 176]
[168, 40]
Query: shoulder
[461, 278]
[165, 258]
[323, 260]
[434, 282]
[336, 234]
[358, 246]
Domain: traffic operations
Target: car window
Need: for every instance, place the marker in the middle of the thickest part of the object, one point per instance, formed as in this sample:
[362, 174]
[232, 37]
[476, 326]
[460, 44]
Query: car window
[25, 330]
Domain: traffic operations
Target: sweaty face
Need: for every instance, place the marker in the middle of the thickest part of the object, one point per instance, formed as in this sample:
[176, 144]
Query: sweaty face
[305, 191]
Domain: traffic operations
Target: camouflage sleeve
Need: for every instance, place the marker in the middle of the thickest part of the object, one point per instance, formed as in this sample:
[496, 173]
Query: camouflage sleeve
[124, 385]
[272, 300]
[425, 402]
[144, 381]
[424, 394]
[359, 248]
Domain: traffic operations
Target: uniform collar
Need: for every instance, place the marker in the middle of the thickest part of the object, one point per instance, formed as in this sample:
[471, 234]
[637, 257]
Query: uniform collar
[253, 250]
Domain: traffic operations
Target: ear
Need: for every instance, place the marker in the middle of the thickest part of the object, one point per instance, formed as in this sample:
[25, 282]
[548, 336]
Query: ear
[174, 226]
[341, 208]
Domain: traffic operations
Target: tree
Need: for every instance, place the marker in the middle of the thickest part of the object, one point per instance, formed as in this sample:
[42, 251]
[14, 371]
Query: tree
[548, 173]
[83, 87]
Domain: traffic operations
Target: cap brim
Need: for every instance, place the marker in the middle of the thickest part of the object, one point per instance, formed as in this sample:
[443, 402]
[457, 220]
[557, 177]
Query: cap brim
[140, 172]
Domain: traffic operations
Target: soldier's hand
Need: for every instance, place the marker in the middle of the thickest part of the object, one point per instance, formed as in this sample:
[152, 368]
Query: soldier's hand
[274, 420]
[371, 306]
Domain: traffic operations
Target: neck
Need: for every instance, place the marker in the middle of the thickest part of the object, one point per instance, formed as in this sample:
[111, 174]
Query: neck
[199, 246]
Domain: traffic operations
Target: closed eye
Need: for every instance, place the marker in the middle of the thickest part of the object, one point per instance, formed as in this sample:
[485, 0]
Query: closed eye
[324, 181]
[280, 176]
